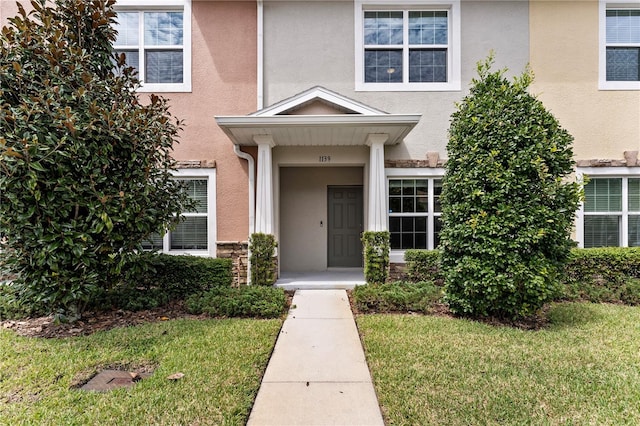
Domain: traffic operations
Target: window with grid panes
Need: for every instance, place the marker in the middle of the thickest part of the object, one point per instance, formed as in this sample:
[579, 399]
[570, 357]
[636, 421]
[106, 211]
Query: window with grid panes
[623, 44]
[414, 213]
[192, 232]
[406, 46]
[156, 43]
[612, 212]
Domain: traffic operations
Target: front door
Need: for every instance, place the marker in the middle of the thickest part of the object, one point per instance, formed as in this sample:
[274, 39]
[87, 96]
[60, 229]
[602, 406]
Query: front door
[344, 226]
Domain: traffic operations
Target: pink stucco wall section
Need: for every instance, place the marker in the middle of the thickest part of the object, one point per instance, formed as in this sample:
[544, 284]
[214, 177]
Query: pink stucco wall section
[224, 83]
[224, 63]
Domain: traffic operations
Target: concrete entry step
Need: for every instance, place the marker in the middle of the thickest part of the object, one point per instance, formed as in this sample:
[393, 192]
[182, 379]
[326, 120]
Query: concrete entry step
[331, 279]
[317, 374]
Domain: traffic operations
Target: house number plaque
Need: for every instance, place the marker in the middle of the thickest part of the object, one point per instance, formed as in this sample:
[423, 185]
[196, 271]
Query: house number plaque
[324, 159]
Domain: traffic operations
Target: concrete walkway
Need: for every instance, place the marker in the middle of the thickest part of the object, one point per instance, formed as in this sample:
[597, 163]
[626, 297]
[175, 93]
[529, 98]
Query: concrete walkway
[317, 374]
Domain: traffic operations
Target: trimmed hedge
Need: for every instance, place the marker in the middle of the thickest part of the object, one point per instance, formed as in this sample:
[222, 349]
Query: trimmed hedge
[423, 265]
[158, 279]
[248, 301]
[399, 296]
[610, 274]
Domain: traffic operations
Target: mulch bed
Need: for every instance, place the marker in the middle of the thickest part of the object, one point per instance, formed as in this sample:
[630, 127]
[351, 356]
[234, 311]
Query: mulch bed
[95, 321]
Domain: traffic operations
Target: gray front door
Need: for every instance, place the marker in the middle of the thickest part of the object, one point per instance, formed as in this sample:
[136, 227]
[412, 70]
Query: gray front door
[345, 226]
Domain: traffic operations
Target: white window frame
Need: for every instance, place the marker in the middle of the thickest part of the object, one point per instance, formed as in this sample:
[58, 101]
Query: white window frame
[603, 83]
[163, 6]
[452, 7]
[210, 176]
[431, 174]
[623, 173]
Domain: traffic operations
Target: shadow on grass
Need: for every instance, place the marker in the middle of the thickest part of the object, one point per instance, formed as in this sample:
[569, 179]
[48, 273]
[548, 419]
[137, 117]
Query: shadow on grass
[566, 315]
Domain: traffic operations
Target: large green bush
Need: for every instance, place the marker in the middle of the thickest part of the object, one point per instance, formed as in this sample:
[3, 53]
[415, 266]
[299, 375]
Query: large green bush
[85, 167]
[507, 204]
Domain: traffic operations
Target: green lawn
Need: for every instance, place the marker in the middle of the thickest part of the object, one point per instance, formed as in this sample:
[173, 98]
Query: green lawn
[583, 369]
[223, 362]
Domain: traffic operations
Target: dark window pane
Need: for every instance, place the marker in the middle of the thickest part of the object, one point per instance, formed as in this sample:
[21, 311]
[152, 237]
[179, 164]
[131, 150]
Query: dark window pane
[395, 205]
[422, 187]
[437, 227]
[383, 66]
[422, 205]
[395, 241]
[437, 190]
[395, 187]
[408, 187]
[420, 241]
[408, 205]
[601, 231]
[163, 66]
[634, 195]
[407, 224]
[623, 63]
[191, 234]
[428, 65]
[420, 224]
[634, 231]
[394, 224]
[407, 241]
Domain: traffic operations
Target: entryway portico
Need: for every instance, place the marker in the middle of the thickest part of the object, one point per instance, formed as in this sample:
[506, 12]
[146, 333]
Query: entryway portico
[315, 145]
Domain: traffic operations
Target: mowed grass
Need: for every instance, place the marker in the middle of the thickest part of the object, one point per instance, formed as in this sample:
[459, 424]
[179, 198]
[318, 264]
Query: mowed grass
[582, 369]
[222, 361]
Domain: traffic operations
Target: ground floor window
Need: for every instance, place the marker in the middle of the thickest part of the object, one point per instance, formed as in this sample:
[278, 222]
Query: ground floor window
[195, 232]
[611, 212]
[414, 212]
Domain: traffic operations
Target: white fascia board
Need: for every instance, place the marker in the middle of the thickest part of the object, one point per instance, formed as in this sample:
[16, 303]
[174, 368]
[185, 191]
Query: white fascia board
[316, 120]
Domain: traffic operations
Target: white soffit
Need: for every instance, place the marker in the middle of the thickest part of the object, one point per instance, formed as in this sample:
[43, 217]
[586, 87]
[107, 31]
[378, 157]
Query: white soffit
[351, 128]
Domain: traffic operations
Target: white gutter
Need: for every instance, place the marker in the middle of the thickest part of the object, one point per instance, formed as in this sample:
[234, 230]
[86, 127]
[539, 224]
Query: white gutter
[252, 200]
[260, 48]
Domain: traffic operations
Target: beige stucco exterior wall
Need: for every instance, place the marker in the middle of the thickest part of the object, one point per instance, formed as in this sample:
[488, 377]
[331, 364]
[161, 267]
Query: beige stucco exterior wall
[564, 58]
[303, 206]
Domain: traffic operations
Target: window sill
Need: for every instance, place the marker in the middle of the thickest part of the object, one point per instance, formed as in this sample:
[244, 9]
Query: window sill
[453, 86]
[619, 85]
[165, 88]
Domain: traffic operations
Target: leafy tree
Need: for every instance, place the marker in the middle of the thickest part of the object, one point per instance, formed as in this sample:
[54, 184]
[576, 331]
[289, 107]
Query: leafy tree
[85, 168]
[508, 205]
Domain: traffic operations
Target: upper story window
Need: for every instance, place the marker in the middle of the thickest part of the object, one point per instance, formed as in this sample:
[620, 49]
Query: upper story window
[157, 42]
[620, 45]
[412, 47]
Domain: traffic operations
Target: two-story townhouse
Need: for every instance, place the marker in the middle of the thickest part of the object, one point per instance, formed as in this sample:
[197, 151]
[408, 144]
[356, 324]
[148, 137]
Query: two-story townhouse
[353, 135]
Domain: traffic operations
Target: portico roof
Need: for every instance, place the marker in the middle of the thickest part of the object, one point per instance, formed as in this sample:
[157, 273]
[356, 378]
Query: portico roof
[353, 123]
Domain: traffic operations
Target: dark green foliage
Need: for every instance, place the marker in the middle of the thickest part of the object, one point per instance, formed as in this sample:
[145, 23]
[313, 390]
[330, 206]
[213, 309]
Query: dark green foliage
[508, 208]
[246, 301]
[608, 274]
[376, 255]
[85, 169]
[166, 278]
[423, 265]
[399, 296]
[10, 305]
[263, 266]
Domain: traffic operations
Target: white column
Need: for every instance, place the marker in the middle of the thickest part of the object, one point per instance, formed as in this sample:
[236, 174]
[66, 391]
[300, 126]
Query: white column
[264, 190]
[377, 217]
